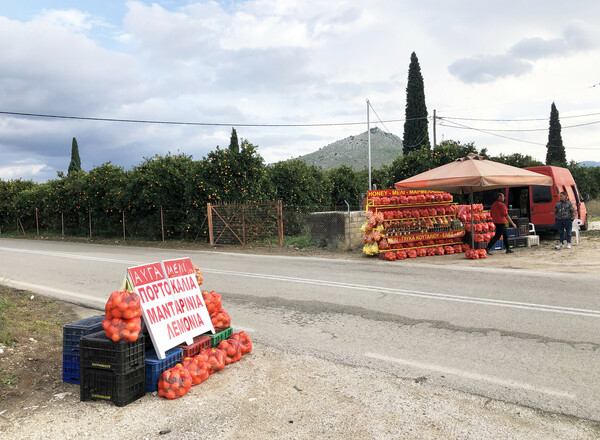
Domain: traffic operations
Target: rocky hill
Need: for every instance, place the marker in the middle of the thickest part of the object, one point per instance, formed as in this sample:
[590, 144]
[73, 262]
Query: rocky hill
[353, 151]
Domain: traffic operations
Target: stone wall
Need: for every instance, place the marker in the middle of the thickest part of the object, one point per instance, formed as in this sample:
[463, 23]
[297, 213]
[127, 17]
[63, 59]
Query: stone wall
[337, 229]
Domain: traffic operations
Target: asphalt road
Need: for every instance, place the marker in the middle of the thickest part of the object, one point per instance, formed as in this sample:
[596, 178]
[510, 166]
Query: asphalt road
[524, 337]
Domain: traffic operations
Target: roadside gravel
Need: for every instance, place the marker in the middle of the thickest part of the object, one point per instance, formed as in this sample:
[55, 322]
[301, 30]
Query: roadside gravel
[272, 394]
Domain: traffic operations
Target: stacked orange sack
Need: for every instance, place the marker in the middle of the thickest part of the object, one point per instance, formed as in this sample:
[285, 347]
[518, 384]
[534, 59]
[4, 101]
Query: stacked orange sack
[244, 340]
[220, 320]
[174, 382]
[122, 312]
[198, 369]
[214, 357]
[199, 276]
[232, 350]
[213, 302]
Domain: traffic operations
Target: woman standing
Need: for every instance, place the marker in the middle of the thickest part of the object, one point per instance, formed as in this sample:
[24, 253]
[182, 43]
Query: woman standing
[564, 214]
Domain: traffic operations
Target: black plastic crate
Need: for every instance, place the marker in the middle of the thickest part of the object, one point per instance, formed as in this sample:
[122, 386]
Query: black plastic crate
[523, 230]
[155, 366]
[98, 351]
[517, 242]
[73, 332]
[148, 344]
[121, 389]
[514, 213]
[520, 221]
[70, 371]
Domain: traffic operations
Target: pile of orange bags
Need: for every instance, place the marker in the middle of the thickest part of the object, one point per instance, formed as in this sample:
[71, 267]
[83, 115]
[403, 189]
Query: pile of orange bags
[174, 382]
[213, 302]
[122, 313]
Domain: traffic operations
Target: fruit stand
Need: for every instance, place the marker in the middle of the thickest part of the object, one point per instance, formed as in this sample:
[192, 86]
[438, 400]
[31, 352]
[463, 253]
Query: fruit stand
[417, 223]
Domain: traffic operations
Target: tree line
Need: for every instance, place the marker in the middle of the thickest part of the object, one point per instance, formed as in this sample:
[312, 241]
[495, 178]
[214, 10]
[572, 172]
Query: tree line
[237, 174]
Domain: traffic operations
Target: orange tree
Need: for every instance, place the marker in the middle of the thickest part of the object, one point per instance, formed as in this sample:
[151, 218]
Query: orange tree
[158, 182]
[9, 190]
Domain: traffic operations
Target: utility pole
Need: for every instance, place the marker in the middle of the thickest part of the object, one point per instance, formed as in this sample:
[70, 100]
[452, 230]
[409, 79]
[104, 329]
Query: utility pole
[369, 141]
[434, 117]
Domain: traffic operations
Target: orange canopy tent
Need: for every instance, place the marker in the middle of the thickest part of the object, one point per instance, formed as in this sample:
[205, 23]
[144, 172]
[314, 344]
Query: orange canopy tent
[473, 173]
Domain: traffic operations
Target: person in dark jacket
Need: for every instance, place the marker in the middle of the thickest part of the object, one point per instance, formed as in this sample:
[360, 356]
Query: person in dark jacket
[500, 216]
[564, 214]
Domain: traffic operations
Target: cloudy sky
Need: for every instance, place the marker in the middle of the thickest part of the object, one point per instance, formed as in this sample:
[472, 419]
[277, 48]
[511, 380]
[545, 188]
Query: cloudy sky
[491, 71]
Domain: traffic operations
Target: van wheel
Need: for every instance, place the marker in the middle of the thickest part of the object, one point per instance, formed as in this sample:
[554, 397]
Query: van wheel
[584, 227]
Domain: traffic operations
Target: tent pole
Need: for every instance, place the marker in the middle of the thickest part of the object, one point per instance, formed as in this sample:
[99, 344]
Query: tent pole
[472, 227]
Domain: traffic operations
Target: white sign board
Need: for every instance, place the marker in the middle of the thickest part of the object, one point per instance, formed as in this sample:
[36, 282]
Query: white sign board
[173, 308]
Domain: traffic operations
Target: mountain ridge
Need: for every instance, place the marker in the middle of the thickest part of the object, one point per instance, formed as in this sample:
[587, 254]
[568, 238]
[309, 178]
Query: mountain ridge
[352, 151]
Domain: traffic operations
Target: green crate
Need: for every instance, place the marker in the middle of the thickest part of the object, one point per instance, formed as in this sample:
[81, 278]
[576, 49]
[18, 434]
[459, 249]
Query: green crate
[220, 336]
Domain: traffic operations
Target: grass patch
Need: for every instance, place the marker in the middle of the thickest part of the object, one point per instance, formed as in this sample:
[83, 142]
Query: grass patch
[300, 241]
[31, 333]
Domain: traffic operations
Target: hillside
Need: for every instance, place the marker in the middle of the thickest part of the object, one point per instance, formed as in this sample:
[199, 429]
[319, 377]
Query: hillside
[353, 150]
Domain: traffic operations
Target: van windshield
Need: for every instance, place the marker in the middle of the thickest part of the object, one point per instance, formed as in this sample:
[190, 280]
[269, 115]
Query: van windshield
[541, 194]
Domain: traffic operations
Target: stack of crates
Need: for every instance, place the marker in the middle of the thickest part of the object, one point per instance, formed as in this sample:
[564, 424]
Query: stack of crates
[522, 226]
[112, 371]
[72, 334]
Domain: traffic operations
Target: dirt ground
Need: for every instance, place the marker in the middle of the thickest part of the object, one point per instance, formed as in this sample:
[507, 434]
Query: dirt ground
[272, 394]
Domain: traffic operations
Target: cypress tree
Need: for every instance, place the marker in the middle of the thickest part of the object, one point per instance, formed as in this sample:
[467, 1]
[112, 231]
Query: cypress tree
[416, 134]
[75, 164]
[555, 151]
[234, 145]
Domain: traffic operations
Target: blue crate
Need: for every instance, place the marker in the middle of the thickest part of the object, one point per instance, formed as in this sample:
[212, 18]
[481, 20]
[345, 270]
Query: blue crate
[512, 232]
[155, 366]
[73, 332]
[498, 246]
[70, 371]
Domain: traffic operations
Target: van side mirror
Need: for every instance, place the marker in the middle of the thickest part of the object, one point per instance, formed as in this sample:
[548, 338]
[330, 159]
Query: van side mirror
[586, 197]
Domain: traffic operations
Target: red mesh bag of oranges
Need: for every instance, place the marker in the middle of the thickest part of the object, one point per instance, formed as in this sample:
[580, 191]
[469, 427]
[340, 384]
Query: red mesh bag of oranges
[198, 369]
[174, 382]
[245, 342]
[199, 276]
[220, 320]
[123, 304]
[213, 301]
[214, 358]
[118, 329]
[232, 350]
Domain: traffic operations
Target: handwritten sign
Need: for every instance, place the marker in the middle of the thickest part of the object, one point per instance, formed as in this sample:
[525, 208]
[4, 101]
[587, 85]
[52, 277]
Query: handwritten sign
[426, 236]
[399, 192]
[193, 317]
[173, 309]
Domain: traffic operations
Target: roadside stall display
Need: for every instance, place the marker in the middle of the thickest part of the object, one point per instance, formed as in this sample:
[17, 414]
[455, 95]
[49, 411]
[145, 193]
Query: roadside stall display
[171, 301]
[160, 301]
[411, 223]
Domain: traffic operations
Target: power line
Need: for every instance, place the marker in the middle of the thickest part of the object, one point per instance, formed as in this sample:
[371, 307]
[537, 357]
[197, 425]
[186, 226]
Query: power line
[519, 120]
[466, 127]
[203, 124]
[386, 129]
[531, 129]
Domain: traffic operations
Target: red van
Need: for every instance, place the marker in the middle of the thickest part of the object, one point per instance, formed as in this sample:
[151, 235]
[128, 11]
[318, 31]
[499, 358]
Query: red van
[537, 202]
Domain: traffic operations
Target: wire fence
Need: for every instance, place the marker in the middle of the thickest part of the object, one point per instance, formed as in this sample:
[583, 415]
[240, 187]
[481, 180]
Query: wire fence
[233, 224]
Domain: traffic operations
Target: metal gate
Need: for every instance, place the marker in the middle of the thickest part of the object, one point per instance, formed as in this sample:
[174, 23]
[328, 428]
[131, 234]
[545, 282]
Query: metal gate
[245, 223]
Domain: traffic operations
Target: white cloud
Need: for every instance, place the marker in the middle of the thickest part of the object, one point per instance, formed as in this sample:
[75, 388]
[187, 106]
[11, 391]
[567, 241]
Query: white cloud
[288, 61]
